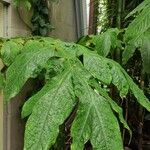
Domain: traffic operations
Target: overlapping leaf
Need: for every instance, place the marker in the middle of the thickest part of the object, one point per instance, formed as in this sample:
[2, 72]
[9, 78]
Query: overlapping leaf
[136, 34]
[103, 43]
[120, 78]
[93, 119]
[142, 43]
[112, 103]
[55, 102]
[53, 67]
[106, 41]
[107, 71]
[139, 8]
[139, 25]
[26, 65]
[50, 107]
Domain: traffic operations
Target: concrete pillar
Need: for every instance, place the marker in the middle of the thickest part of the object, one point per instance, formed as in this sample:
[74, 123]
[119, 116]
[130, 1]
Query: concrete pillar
[64, 21]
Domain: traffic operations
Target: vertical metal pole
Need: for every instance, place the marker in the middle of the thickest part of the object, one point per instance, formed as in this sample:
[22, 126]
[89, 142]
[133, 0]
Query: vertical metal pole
[79, 17]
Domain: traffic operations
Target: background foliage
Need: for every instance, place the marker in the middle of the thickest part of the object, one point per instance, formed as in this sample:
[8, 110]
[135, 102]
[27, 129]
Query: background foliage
[41, 18]
[132, 20]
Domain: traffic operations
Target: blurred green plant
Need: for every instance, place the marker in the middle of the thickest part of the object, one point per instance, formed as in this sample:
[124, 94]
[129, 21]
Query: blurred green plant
[41, 24]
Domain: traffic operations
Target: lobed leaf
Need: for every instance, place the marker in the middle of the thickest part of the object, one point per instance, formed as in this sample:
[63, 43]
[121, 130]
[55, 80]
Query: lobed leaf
[106, 71]
[55, 103]
[30, 64]
[53, 67]
[94, 120]
[112, 103]
[120, 79]
[72, 67]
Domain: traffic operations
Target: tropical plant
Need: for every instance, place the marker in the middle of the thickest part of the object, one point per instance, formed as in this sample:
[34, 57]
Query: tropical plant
[124, 45]
[137, 35]
[74, 79]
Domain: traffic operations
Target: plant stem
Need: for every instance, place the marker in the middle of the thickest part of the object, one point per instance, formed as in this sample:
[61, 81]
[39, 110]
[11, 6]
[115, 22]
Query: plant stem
[119, 19]
[141, 117]
[119, 14]
[126, 117]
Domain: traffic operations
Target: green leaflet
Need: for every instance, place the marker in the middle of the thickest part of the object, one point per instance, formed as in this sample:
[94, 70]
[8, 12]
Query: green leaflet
[53, 67]
[103, 43]
[113, 104]
[138, 26]
[135, 32]
[137, 92]
[55, 102]
[98, 67]
[118, 78]
[128, 51]
[139, 8]
[26, 65]
[142, 43]
[106, 71]
[9, 51]
[106, 41]
[94, 120]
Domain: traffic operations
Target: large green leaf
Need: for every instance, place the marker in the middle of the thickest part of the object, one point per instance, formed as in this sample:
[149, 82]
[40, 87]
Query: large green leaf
[112, 103]
[142, 43]
[68, 70]
[98, 67]
[53, 67]
[106, 41]
[25, 66]
[94, 121]
[55, 102]
[106, 71]
[120, 78]
[137, 92]
[139, 8]
[139, 25]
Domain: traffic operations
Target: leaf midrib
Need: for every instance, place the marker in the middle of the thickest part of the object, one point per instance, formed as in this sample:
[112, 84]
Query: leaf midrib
[59, 86]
